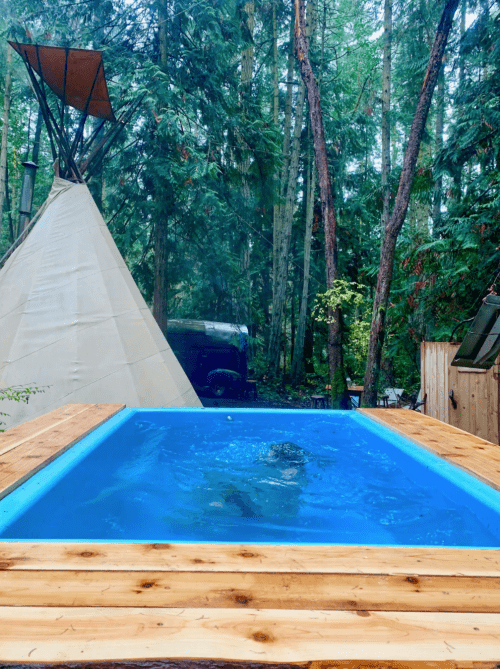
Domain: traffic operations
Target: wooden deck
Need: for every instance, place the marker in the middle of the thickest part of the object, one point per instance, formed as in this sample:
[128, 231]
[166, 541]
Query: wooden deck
[26, 449]
[324, 606]
[466, 451]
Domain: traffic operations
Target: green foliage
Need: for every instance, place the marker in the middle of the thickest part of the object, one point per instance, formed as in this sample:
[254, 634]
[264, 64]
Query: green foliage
[341, 295]
[357, 346]
[201, 158]
[350, 297]
[18, 394]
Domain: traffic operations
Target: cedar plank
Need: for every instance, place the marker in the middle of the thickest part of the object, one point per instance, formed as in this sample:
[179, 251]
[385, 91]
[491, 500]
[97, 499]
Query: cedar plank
[22, 462]
[256, 590]
[17, 435]
[246, 558]
[37, 634]
[472, 454]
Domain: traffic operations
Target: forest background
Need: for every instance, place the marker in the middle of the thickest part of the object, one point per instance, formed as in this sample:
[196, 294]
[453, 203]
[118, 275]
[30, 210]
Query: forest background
[211, 192]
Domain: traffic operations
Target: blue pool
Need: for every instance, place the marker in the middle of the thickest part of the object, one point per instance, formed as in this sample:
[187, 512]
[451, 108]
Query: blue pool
[213, 475]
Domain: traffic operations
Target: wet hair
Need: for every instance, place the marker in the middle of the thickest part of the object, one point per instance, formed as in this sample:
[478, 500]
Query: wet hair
[287, 452]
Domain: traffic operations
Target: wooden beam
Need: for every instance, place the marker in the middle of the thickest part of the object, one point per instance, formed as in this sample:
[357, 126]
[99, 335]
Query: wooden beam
[249, 558]
[38, 634]
[216, 590]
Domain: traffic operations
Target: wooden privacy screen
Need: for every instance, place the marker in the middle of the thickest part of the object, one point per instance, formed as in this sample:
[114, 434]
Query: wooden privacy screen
[475, 391]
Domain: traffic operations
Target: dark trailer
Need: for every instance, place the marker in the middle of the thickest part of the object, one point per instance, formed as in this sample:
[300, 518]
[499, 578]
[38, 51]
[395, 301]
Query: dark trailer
[213, 355]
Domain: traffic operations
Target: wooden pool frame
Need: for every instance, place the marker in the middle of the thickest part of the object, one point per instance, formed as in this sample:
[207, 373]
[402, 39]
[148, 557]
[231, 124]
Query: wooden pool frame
[314, 606]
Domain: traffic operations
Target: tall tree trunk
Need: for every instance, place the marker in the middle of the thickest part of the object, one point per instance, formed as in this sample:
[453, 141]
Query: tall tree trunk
[484, 20]
[97, 182]
[275, 119]
[163, 33]
[5, 132]
[284, 345]
[456, 191]
[386, 109]
[396, 221]
[340, 396]
[36, 141]
[298, 352]
[160, 229]
[160, 289]
[8, 202]
[280, 284]
[275, 67]
[438, 144]
[299, 359]
[247, 61]
[288, 191]
[247, 54]
[461, 59]
[278, 210]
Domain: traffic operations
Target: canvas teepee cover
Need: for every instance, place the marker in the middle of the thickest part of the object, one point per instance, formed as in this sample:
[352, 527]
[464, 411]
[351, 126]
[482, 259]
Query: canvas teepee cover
[73, 319]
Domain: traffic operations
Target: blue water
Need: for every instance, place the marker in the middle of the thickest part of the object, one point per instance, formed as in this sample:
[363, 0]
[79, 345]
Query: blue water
[252, 476]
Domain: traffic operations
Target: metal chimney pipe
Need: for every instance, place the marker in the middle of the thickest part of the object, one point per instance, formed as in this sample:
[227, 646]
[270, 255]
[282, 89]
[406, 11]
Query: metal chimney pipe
[26, 194]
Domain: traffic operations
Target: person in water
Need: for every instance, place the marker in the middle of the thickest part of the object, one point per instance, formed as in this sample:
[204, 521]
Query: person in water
[242, 501]
[286, 452]
[275, 491]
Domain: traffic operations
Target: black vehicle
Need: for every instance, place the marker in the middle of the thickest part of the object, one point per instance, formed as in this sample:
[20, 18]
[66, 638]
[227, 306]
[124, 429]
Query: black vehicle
[213, 355]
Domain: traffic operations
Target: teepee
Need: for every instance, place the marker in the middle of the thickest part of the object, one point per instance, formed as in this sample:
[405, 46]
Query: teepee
[73, 321]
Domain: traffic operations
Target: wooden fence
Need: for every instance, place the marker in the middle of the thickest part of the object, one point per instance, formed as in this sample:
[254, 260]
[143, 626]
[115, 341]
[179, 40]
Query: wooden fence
[475, 391]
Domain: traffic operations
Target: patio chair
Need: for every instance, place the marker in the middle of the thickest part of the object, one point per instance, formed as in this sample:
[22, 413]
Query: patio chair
[389, 398]
[413, 401]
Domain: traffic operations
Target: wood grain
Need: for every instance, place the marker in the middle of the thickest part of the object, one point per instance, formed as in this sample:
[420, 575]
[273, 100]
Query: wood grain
[249, 558]
[31, 634]
[300, 591]
[468, 452]
[17, 435]
[475, 391]
[36, 451]
[351, 607]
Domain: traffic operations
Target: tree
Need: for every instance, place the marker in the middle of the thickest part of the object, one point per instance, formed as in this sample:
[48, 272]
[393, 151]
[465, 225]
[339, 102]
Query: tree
[160, 226]
[5, 131]
[460, 260]
[284, 208]
[397, 218]
[298, 352]
[211, 182]
[386, 110]
[285, 230]
[340, 397]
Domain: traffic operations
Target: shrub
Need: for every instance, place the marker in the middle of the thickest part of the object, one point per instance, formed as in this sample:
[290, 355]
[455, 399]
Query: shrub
[18, 394]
